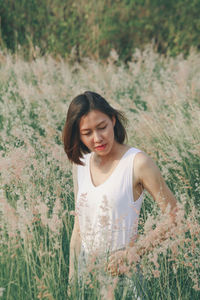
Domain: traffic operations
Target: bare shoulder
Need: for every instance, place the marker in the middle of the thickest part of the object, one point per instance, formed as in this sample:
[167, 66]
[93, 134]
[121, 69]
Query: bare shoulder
[74, 172]
[144, 164]
[149, 175]
[143, 160]
[75, 182]
[74, 169]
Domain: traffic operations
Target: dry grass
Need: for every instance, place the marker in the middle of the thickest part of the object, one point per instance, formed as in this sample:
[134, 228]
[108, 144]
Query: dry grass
[160, 97]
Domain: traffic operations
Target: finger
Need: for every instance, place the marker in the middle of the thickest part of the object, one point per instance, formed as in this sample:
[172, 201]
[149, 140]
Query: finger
[111, 259]
[110, 268]
[115, 273]
[113, 270]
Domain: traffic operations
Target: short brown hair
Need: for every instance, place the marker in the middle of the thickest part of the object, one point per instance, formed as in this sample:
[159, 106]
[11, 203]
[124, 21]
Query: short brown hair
[80, 106]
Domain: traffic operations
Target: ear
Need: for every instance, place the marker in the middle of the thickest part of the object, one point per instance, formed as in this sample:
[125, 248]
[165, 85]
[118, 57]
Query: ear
[113, 121]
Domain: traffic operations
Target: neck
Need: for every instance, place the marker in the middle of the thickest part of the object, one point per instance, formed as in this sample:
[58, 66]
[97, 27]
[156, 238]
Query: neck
[111, 156]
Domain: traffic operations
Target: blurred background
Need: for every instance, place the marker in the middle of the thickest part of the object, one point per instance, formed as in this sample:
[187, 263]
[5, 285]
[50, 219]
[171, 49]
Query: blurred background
[93, 27]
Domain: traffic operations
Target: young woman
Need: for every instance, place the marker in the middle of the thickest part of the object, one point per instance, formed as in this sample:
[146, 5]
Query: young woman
[109, 179]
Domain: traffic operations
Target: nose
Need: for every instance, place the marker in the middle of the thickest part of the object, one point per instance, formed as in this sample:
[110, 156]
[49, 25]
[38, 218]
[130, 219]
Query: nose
[97, 137]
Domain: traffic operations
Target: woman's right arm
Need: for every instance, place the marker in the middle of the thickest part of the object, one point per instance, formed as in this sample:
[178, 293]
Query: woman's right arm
[75, 242]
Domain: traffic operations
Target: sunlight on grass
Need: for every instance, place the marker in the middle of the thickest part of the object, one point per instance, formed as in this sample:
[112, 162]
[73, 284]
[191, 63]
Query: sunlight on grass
[160, 96]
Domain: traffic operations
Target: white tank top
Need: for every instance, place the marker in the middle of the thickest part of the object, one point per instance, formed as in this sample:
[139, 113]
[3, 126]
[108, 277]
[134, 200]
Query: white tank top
[108, 215]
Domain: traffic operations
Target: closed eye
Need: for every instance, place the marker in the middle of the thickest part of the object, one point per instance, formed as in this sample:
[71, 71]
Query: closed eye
[102, 127]
[87, 133]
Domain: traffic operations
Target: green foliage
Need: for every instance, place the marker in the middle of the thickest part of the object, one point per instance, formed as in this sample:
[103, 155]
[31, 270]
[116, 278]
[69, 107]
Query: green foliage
[93, 28]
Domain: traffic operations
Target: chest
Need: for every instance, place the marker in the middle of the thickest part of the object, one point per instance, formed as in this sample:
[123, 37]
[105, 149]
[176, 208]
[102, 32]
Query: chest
[99, 175]
[114, 179]
[109, 203]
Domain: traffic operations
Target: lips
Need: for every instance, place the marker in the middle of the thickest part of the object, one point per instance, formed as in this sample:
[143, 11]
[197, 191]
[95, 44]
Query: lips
[100, 147]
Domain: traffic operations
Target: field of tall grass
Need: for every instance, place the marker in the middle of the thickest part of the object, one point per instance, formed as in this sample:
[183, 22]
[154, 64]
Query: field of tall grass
[161, 99]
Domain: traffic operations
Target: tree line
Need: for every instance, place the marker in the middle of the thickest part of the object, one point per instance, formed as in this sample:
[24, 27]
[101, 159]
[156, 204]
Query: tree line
[93, 27]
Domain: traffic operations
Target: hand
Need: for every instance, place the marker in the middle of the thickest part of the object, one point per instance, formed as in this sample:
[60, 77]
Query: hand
[117, 263]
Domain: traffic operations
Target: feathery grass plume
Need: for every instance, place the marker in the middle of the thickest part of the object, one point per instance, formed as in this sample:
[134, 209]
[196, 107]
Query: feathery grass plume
[160, 96]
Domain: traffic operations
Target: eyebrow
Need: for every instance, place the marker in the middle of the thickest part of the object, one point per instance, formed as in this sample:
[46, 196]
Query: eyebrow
[87, 129]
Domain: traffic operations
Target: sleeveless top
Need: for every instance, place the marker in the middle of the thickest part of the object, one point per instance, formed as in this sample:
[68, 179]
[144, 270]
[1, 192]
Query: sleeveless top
[107, 213]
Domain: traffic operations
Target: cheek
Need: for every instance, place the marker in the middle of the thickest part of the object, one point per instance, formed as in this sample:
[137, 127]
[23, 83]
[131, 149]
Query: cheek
[85, 140]
[82, 138]
[111, 131]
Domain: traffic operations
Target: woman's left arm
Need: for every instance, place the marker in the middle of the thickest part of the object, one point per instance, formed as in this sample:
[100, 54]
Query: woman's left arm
[149, 175]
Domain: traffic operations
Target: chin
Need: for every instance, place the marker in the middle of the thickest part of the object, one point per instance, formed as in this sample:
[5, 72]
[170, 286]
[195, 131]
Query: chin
[103, 152]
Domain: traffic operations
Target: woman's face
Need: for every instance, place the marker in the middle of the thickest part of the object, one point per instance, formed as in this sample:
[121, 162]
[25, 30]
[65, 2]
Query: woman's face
[97, 132]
